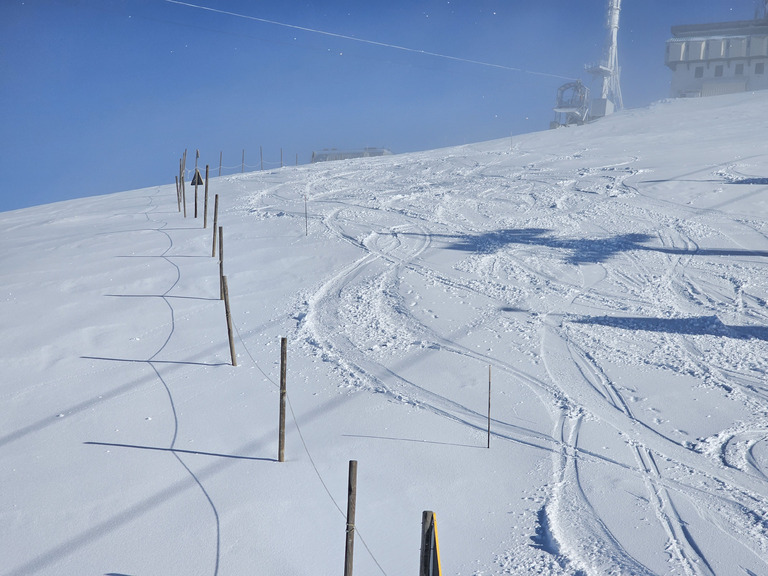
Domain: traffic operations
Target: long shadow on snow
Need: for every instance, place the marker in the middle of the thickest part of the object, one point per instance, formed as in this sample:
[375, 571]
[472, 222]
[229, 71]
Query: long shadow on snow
[582, 250]
[696, 326]
[180, 451]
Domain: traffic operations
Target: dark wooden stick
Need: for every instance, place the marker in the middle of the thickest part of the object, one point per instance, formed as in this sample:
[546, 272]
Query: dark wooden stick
[351, 505]
[221, 263]
[229, 321]
[215, 222]
[283, 395]
[205, 209]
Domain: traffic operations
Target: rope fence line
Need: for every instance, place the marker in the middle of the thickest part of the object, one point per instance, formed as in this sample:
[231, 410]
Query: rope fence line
[180, 192]
[306, 448]
[222, 170]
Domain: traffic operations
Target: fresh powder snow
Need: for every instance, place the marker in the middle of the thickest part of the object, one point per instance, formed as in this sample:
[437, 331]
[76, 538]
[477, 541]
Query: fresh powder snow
[612, 277]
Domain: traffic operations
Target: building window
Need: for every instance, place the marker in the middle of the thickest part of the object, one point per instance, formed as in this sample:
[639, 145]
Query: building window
[698, 72]
[718, 71]
[760, 68]
[739, 69]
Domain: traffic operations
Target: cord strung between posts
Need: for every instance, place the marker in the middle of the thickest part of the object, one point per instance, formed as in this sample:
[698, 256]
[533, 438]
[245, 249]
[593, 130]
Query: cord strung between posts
[371, 42]
[306, 449]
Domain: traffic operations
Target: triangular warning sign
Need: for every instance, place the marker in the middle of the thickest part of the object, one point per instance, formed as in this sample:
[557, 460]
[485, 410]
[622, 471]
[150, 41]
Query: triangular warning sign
[197, 180]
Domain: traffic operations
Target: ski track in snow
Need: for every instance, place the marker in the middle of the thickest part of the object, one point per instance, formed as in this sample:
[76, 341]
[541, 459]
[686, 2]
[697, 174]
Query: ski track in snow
[590, 283]
[395, 242]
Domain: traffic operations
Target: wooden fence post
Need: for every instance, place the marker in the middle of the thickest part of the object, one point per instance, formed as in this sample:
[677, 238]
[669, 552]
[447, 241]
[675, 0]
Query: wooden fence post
[205, 209]
[283, 394]
[221, 263]
[429, 564]
[184, 195]
[229, 321]
[351, 504]
[178, 193]
[215, 222]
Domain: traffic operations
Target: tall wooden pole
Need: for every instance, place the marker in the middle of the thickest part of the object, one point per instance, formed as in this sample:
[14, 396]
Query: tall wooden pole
[215, 222]
[283, 395]
[351, 504]
[429, 564]
[205, 209]
[178, 193]
[184, 195]
[229, 322]
[221, 263]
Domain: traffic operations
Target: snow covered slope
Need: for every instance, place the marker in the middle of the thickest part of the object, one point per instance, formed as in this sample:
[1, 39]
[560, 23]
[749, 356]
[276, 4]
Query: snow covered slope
[613, 276]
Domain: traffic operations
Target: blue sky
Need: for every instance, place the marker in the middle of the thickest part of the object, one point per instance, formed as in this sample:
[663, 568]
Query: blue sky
[99, 96]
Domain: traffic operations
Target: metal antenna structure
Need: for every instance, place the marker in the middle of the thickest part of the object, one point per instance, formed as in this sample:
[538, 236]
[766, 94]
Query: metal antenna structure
[608, 70]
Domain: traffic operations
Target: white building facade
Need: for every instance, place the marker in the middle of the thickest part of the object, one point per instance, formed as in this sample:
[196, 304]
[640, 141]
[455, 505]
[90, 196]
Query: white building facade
[721, 58]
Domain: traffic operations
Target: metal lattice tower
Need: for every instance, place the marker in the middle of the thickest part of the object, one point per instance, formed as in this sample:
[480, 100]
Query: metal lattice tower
[608, 69]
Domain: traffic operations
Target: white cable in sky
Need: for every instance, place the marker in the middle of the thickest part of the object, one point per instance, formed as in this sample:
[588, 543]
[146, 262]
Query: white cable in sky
[364, 41]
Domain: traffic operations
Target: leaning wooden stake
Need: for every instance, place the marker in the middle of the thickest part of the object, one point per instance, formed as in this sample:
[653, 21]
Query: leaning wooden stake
[351, 503]
[184, 195]
[283, 395]
[195, 180]
[221, 263]
[205, 208]
[489, 407]
[215, 222]
[221, 155]
[229, 321]
[178, 193]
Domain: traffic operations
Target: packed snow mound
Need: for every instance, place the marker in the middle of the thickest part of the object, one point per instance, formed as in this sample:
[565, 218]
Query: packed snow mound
[609, 280]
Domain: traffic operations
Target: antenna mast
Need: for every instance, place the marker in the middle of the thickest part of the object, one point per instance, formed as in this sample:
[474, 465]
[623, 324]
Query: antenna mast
[608, 70]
